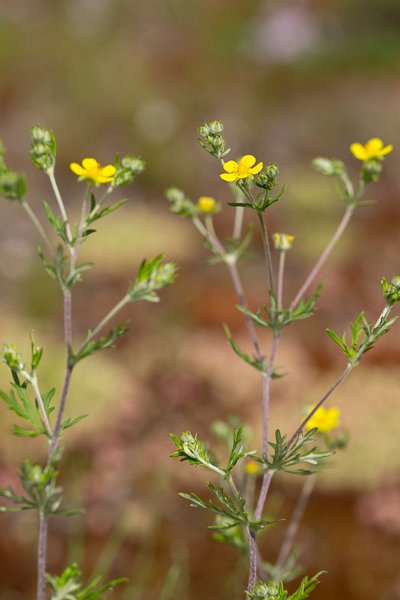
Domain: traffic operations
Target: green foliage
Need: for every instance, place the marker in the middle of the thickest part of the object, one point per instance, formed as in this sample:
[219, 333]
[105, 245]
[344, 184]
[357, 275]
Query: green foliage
[263, 200]
[191, 449]
[258, 363]
[153, 275]
[102, 343]
[278, 318]
[363, 335]
[231, 508]
[287, 458]
[127, 169]
[42, 493]
[227, 531]
[68, 586]
[276, 591]
[12, 184]
[391, 290]
[23, 406]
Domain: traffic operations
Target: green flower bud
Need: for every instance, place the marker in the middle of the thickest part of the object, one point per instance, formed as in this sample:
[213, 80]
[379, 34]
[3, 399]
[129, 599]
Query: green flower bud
[371, 170]
[43, 149]
[12, 358]
[179, 204]
[134, 164]
[12, 185]
[391, 290]
[215, 127]
[327, 166]
[267, 179]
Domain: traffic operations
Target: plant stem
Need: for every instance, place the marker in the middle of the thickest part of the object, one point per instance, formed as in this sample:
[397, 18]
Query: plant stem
[293, 527]
[42, 553]
[237, 284]
[280, 279]
[36, 223]
[238, 223]
[267, 249]
[267, 390]
[263, 494]
[60, 201]
[322, 259]
[34, 383]
[119, 306]
[333, 387]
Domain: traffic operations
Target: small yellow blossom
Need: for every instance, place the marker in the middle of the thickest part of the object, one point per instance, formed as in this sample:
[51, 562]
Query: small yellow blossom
[241, 170]
[374, 148]
[283, 241]
[206, 204]
[93, 171]
[253, 468]
[326, 419]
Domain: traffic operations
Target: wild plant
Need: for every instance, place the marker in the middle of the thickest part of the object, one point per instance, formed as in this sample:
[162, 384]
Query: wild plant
[41, 412]
[239, 519]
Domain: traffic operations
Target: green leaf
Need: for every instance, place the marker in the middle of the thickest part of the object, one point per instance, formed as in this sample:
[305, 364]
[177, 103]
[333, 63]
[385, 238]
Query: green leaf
[237, 452]
[288, 458]
[259, 364]
[191, 449]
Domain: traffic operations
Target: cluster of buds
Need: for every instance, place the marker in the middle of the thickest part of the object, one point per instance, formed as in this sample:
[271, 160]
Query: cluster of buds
[127, 170]
[267, 180]
[391, 290]
[371, 170]
[212, 140]
[12, 184]
[179, 203]
[43, 149]
[328, 166]
[12, 358]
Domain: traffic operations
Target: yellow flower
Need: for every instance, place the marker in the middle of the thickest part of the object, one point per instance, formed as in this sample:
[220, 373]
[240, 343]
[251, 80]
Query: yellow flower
[93, 171]
[206, 204]
[283, 241]
[253, 468]
[326, 419]
[372, 149]
[241, 170]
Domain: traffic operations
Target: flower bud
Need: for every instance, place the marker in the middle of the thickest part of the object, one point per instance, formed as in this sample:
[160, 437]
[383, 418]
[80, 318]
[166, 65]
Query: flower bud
[134, 164]
[215, 127]
[391, 290]
[12, 358]
[283, 241]
[43, 149]
[371, 170]
[327, 166]
[206, 204]
[180, 205]
[12, 185]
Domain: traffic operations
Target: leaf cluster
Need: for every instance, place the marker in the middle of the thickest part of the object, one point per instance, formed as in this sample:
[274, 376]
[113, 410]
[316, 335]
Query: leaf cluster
[68, 586]
[41, 492]
[12, 184]
[288, 458]
[231, 509]
[58, 270]
[23, 406]
[278, 318]
[191, 449]
[363, 336]
[276, 591]
[153, 275]
[262, 201]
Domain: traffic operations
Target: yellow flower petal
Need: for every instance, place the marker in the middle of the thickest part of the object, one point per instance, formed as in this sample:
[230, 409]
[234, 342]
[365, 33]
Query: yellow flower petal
[230, 166]
[90, 163]
[359, 151]
[386, 150]
[256, 169]
[77, 169]
[247, 161]
[108, 171]
[373, 146]
[228, 176]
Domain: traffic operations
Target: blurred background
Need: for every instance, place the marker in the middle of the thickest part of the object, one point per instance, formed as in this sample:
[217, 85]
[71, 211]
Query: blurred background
[290, 80]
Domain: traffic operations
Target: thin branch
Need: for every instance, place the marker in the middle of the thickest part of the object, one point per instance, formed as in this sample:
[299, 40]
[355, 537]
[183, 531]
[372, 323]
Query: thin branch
[280, 279]
[60, 201]
[36, 223]
[42, 554]
[340, 380]
[297, 516]
[267, 249]
[322, 259]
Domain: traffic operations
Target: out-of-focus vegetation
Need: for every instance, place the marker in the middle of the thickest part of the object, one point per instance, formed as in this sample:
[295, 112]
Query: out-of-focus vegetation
[291, 80]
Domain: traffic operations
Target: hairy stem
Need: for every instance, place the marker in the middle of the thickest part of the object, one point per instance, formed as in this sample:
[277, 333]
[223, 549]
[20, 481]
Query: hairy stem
[238, 222]
[280, 279]
[116, 309]
[42, 554]
[267, 249]
[60, 201]
[322, 259]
